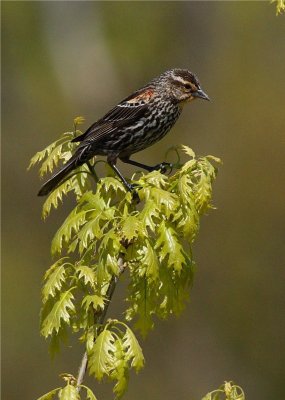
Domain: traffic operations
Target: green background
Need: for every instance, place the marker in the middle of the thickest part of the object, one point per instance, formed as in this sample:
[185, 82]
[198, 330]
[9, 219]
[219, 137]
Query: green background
[63, 59]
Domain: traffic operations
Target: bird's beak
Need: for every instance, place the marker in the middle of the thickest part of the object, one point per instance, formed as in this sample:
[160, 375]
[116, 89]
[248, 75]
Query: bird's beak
[202, 95]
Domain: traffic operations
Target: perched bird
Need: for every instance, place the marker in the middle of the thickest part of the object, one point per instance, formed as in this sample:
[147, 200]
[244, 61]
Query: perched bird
[136, 123]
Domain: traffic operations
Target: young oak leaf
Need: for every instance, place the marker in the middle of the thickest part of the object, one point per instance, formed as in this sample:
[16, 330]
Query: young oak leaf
[120, 369]
[69, 227]
[170, 246]
[203, 192]
[154, 178]
[55, 198]
[55, 279]
[142, 302]
[60, 312]
[167, 199]
[69, 392]
[89, 394]
[149, 216]
[187, 150]
[41, 155]
[132, 349]
[53, 159]
[101, 358]
[96, 301]
[149, 262]
[87, 273]
[131, 227]
[110, 182]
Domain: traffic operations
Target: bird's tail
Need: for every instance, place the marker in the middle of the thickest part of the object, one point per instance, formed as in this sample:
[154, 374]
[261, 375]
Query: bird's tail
[51, 184]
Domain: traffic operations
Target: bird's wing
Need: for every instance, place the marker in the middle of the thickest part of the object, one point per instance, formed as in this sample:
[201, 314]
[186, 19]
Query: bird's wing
[124, 114]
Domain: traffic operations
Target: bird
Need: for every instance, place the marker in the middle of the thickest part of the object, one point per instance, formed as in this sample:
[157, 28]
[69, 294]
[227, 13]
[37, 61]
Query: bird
[137, 122]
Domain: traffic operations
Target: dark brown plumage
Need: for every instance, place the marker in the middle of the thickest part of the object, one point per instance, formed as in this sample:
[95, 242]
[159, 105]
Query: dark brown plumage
[134, 124]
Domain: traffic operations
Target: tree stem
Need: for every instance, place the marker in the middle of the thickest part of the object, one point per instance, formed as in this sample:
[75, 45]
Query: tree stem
[100, 319]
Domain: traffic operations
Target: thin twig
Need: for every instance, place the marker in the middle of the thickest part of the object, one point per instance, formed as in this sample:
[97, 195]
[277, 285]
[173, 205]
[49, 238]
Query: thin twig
[100, 319]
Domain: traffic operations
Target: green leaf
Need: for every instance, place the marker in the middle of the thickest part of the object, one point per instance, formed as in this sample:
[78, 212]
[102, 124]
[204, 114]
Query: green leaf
[216, 159]
[69, 392]
[120, 369]
[55, 198]
[149, 215]
[95, 227]
[142, 300]
[122, 383]
[133, 349]
[70, 226]
[59, 312]
[53, 159]
[78, 120]
[101, 357]
[40, 155]
[96, 301]
[49, 395]
[149, 262]
[165, 198]
[131, 228]
[188, 151]
[110, 182]
[169, 246]
[54, 279]
[87, 273]
[154, 178]
[89, 394]
[203, 190]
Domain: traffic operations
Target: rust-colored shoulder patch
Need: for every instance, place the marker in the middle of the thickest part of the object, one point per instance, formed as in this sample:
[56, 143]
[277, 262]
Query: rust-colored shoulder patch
[146, 95]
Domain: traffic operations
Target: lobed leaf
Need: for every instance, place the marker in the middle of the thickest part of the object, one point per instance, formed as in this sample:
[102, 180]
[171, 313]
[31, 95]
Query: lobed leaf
[89, 394]
[120, 369]
[70, 226]
[101, 358]
[69, 392]
[188, 151]
[131, 228]
[149, 216]
[54, 279]
[170, 247]
[88, 274]
[55, 198]
[59, 312]
[132, 349]
[96, 301]
[149, 262]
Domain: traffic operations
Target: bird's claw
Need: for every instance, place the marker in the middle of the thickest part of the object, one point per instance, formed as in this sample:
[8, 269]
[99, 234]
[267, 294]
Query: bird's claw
[132, 189]
[163, 167]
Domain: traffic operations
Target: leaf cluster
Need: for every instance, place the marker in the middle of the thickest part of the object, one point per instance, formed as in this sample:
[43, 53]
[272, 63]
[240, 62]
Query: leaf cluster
[153, 237]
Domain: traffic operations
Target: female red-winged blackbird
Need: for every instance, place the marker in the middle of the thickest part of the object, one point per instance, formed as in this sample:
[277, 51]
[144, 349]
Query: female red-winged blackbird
[137, 122]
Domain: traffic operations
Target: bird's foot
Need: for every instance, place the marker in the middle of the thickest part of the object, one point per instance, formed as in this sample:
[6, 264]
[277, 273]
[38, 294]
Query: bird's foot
[131, 187]
[163, 167]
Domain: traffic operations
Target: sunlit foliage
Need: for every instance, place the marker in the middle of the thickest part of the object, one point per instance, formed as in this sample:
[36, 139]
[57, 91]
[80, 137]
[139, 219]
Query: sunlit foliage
[109, 231]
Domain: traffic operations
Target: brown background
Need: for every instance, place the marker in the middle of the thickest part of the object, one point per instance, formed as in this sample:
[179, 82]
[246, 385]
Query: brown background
[63, 59]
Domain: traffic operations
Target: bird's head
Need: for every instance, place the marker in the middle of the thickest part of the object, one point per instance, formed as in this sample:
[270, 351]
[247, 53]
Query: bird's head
[182, 85]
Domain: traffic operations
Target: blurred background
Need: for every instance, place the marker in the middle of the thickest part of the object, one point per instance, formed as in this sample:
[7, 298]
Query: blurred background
[64, 59]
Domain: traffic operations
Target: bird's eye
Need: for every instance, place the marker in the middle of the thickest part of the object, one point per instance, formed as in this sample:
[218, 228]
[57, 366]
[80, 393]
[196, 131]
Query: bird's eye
[187, 86]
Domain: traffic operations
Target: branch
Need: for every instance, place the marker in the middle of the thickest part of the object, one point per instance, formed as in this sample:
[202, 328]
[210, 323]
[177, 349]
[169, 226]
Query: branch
[100, 318]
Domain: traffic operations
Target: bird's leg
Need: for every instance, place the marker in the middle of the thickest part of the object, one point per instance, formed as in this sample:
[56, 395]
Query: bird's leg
[162, 166]
[112, 163]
